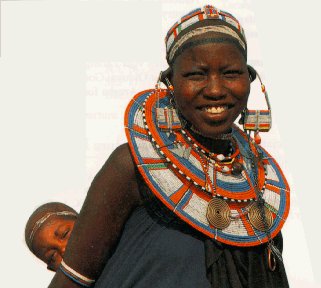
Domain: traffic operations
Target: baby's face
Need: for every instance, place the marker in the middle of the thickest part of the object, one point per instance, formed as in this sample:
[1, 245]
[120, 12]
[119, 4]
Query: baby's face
[51, 239]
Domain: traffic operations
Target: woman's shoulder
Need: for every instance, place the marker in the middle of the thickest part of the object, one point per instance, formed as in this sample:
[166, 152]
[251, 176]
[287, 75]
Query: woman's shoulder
[121, 161]
[119, 174]
[122, 156]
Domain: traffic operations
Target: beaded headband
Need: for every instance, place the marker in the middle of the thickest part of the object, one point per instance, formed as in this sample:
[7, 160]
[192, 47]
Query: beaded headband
[42, 220]
[224, 23]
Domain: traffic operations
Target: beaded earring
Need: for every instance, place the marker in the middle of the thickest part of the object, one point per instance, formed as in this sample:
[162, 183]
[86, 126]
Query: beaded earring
[166, 114]
[257, 120]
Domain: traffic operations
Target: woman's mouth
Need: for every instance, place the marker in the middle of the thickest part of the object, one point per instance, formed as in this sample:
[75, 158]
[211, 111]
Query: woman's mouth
[215, 109]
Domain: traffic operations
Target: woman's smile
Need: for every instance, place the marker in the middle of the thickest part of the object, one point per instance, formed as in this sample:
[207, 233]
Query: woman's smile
[211, 84]
[216, 113]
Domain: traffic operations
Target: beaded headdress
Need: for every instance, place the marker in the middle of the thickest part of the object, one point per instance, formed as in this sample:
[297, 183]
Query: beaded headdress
[198, 22]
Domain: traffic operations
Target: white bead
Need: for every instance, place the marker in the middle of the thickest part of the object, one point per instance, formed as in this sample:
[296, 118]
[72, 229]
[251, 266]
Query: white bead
[225, 169]
[220, 157]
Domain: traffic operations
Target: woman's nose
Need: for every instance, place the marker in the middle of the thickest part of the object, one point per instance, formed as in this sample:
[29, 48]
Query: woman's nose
[214, 89]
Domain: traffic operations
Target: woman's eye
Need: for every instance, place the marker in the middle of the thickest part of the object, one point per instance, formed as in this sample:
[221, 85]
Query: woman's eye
[195, 75]
[232, 73]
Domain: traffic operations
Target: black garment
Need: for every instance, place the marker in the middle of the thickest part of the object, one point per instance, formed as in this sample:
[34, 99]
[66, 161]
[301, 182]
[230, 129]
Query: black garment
[238, 267]
[164, 252]
[155, 254]
[159, 250]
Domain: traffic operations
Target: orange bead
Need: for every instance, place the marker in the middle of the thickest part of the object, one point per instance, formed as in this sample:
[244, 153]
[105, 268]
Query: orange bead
[257, 138]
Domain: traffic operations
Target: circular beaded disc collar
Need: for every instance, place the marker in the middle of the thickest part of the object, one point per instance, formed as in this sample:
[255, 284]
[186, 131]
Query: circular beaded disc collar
[173, 169]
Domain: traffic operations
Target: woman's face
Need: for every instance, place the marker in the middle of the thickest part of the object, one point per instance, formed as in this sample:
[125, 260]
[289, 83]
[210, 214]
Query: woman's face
[211, 86]
[51, 239]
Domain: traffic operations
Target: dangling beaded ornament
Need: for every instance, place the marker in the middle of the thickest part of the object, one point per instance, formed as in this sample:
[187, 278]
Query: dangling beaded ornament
[257, 120]
[257, 137]
[167, 118]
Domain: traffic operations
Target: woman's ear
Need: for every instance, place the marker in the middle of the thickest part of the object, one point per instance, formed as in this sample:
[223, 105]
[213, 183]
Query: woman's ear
[167, 74]
[252, 73]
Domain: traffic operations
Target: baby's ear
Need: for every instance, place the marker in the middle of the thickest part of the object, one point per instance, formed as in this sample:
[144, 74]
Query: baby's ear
[252, 72]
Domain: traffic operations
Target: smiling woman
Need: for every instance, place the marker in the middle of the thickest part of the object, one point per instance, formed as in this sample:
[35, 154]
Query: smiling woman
[191, 200]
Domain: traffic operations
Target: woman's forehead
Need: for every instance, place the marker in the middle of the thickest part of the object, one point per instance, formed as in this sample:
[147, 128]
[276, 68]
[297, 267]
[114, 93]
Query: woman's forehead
[200, 54]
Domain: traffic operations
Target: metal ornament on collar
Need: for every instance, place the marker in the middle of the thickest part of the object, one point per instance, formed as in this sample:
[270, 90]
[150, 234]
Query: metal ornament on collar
[257, 120]
[167, 116]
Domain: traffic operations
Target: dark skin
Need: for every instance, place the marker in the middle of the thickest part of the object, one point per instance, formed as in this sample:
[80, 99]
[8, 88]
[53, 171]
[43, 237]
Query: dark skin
[50, 241]
[114, 193]
[203, 78]
[211, 89]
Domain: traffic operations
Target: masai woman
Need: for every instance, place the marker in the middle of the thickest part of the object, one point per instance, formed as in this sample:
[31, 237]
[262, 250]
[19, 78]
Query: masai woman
[190, 200]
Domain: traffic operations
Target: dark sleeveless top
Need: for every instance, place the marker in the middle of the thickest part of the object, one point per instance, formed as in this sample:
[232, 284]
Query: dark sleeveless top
[158, 250]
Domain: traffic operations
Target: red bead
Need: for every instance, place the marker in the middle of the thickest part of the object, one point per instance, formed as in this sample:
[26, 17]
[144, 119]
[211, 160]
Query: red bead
[257, 138]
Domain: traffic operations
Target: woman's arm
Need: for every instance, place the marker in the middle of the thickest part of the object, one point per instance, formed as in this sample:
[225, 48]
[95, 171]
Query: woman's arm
[111, 198]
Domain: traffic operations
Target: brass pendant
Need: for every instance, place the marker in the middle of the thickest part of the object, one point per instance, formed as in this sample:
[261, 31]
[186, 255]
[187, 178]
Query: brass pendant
[218, 213]
[256, 220]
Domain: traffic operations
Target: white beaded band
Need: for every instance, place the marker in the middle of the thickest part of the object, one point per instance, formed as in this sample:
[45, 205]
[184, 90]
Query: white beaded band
[43, 219]
[75, 276]
[201, 30]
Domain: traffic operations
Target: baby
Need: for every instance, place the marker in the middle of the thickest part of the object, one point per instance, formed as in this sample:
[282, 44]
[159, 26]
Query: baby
[48, 230]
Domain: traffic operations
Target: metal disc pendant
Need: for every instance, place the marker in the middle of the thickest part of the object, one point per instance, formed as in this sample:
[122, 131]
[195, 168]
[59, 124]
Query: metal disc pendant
[218, 213]
[256, 220]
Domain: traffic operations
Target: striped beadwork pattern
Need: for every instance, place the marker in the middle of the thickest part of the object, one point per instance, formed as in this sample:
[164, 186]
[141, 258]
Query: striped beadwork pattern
[174, 173]
[167, 119]
[257, 120]
[207, 12]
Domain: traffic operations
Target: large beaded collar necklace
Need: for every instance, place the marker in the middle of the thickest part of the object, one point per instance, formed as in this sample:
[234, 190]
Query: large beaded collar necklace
[216, 194]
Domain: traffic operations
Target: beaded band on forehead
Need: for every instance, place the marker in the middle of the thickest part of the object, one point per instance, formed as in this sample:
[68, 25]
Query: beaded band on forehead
[224, 23]
[43, 219]
[201, 30]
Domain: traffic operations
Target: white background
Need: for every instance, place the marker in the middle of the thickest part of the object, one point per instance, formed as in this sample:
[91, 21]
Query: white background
[68, 69]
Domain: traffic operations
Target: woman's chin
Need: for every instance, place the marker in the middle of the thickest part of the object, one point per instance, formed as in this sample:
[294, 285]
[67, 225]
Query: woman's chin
[214, 131]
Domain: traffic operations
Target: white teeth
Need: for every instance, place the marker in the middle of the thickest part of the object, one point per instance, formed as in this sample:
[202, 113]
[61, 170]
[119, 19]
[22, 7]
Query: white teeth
[215, 110]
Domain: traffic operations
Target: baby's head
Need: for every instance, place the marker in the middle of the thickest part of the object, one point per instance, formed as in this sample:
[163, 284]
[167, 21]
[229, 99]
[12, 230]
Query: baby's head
[48, 230]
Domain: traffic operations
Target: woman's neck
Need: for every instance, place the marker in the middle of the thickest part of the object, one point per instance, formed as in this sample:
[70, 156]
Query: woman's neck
[217, 145]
